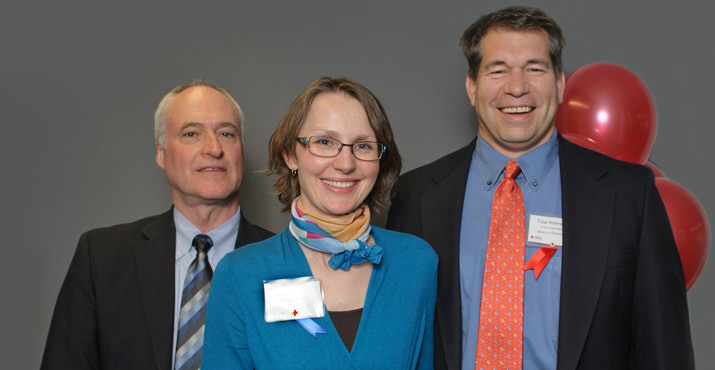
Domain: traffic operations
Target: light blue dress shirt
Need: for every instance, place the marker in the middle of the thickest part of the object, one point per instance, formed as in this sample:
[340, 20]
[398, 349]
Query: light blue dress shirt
[540, 183]
[224, 239]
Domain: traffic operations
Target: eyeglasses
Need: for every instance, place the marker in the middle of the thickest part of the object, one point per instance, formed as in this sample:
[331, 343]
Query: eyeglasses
[323, 146]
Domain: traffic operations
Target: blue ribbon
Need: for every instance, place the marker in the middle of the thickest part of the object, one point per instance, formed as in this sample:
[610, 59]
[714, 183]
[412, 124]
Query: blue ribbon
[372, 253]
[311, 326]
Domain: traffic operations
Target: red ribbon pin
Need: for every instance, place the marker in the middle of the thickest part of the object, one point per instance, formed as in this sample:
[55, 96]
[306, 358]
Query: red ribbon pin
[540, 259]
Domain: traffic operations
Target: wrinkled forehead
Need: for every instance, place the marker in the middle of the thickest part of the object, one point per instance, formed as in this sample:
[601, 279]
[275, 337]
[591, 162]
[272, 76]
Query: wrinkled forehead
[505, 45]
[202, 104]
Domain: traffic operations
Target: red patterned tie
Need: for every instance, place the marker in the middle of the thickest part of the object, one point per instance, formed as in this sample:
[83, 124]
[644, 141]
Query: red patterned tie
[501, 316]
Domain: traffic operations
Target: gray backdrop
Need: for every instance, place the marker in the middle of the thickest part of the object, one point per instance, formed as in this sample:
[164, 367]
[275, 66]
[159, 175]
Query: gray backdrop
[80, 81]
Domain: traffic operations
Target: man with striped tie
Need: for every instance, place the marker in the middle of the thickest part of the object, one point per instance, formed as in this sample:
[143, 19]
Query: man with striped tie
[135, 294]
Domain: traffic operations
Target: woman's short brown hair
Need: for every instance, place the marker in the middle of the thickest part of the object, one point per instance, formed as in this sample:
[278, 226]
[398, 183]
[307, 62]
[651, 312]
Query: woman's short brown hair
[284, 140]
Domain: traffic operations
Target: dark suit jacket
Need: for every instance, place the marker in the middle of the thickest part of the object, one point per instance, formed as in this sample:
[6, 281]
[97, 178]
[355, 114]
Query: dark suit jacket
[115, 309]
[623, 301]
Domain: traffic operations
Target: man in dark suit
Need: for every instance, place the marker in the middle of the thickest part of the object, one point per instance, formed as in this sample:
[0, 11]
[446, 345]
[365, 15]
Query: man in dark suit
[612, 296]
[119, 305]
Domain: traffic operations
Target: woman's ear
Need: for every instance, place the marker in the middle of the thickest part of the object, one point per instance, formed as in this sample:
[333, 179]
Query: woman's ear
[290, 160]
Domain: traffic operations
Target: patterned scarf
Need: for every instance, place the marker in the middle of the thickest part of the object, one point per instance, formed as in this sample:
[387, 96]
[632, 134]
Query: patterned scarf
[346, 240]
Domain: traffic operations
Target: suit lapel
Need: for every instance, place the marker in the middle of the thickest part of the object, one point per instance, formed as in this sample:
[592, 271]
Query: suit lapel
[155, 262]
[442, 218]
[247, 233]
[587, 218]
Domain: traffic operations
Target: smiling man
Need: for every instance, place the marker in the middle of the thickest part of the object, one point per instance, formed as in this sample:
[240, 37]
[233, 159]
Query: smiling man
[135, 294]
[550, 256]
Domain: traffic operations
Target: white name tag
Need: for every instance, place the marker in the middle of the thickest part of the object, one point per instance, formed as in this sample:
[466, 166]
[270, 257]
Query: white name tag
[291, 299]
[545, 230]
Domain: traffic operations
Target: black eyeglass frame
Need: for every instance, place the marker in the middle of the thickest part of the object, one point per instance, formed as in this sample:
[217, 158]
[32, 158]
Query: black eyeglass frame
[305, 141]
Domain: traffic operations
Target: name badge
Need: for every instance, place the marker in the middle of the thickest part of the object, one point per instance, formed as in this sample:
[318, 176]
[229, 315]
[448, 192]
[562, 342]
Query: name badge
[545, 230]
[293, 299]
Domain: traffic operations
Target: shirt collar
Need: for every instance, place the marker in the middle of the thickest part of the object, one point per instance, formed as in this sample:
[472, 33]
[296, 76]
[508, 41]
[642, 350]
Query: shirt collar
[534, 164]
[224, 236]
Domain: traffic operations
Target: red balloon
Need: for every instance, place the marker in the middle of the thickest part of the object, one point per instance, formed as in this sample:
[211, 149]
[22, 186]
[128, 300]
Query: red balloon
[656, 170]
[611, 106]
[690, 227]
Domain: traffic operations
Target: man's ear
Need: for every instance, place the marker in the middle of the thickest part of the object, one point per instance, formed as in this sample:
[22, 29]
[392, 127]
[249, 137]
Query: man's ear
[471, 86]
[160, 155]
[560, 84]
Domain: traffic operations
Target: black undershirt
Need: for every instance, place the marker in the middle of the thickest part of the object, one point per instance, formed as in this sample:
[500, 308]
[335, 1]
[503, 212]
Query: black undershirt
[347, 323]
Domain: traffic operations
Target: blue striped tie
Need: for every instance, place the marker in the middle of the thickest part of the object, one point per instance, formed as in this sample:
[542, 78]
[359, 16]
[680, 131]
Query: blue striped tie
[190, 338]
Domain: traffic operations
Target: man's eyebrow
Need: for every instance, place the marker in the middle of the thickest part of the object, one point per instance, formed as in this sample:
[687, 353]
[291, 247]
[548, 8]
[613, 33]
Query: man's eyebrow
[228, 124]
[190, 124]
[495, 63]
[540, 61]
[500, 63]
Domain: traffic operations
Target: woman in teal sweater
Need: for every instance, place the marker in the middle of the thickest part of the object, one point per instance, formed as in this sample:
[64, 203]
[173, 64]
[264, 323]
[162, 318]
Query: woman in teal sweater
[336, 157]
